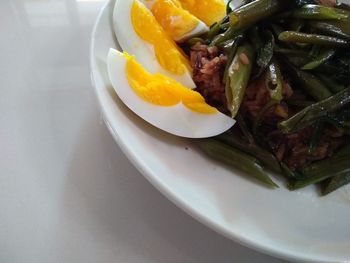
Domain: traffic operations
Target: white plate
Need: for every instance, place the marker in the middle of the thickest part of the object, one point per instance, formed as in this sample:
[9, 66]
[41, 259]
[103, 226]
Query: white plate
[299, 225]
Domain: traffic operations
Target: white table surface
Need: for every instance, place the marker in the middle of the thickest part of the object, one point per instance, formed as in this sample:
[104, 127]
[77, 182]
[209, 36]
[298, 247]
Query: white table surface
[67, 192]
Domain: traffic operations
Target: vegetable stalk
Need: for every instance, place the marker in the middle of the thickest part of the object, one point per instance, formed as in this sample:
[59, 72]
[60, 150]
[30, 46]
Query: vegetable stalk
[251, 13]
[262, 155]
[238, 76]
[298, 37]
[315, 111]
[236, 159]
[319, 12]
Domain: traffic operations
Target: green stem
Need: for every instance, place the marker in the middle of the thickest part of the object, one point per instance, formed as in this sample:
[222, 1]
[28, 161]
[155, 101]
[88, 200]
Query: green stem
[236, 159]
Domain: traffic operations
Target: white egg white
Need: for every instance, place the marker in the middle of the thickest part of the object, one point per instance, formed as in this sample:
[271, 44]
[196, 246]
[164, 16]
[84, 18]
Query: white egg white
[200, 29]
[234, 4]
[177, 120]
[134, 45]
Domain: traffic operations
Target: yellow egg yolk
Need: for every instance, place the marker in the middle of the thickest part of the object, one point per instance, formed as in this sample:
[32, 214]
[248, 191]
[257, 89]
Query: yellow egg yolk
[162, 90]
[168, 55]
[209, 11]
[176, 21]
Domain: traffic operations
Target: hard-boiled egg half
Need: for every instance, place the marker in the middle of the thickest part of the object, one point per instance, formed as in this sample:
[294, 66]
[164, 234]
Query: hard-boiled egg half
[176, 21]
[139, 34]
[162, 101]
[208, 11]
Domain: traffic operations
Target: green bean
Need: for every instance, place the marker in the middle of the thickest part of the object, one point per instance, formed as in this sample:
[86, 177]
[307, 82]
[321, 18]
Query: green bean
[301, 3]
[228, 45]
[244, 128]
[292, 52]
[255, 38]
[274, 81]
[298, 61]
[316, 111]
[230, 58]
[320, 59]
[346, 126]
[238, 77]
[300, 103]
[345, 150]
[265, 51]
[331, 84]
[251, 13]
[321, 170]
[315, 51]
[293, 57]
[334, 29]
[298, 37]
[319, 12]
[316, 135]
[259, 118]
[332, 166]
[276, 29]
[291, 174]
[312, 85]
[214, 30]
[280, 17]
[339, 119]
[227, 35]
[296, 25]
[344, 26]
[266, 158]
[335, 183]
[236, 159]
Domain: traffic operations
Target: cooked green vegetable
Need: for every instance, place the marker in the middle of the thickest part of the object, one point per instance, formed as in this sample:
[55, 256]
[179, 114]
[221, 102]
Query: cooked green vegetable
[236, 159]
[345, 150]
[231, 54]
[322, 170]
[216, 27]
[315, 111]
[316, 135]
[335, 183]
[251, 13]
[274, 81]
[262, 155]
[264, 47]
[331, 84]
[291, 52]
[337, 68]
[319, 12]
[244, 129]
[287, 83]
[228, 45]
[335, 29]
[301, 3]
[314, 86]
[238, 76]
[310, 83]
[230, 33]
[299, 37]
[320, 59]
[291, 174]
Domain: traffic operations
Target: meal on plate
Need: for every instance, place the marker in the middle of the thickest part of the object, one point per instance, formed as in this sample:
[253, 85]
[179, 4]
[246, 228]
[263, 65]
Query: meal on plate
[260, 85]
